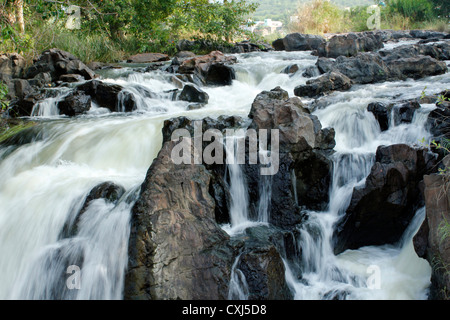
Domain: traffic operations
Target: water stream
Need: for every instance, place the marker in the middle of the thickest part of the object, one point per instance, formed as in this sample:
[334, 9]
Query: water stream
[44, 182]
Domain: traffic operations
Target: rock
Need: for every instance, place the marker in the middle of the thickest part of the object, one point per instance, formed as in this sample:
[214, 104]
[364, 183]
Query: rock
[291, 69]
[148, 58]
[301, 139]
[56, 63]
[350, 44]
[362, 69]
[23, 107]
[71, 78]
[439, 51]
[302, 42]
[326, 83]
[19, 88]
[381, 210]
[74, 104]
[311, 72]
[211, 69]
[438, 122]
[381, 113]
[108, 191]
[12, 66]
[437, 203]
[427, 34]
[110, 96]
[404, 113]
[263, 268]
[415, 67]
[278, 45]
[176, 249]
[192, 93]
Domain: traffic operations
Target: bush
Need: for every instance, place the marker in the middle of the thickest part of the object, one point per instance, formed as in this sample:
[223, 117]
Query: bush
[415, 10]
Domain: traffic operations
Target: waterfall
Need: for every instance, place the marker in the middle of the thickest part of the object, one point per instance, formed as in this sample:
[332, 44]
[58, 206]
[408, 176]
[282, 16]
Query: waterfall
[44, 182]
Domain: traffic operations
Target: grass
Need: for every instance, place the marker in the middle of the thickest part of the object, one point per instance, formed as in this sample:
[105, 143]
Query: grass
[9, 128]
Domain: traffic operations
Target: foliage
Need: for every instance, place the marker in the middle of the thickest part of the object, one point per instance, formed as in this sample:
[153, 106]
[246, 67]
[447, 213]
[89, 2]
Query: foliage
[4, 102]
[416, 10]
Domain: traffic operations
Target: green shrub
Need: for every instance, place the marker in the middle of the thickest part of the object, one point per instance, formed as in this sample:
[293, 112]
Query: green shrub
[416, 10]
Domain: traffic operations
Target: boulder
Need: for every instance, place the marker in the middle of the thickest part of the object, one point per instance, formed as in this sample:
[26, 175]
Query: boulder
[23, 107]
[432, 241]
[330, 81]
[415, 67]
[176, 249]
[438, 122]
[12, 66]
[291, 69]
[404, 112]
[278, 45]
[439, 51]
[381, 210]
[56, 63]
[148, 58]
[381, 113]
[192, 93]
[302, 42]
[74, 104]
[71, 78]
[211, 69]
[351, 44]
[109, 191]
[110, 96]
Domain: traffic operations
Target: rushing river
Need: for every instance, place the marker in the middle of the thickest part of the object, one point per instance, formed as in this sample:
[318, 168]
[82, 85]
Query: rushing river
[43, 184]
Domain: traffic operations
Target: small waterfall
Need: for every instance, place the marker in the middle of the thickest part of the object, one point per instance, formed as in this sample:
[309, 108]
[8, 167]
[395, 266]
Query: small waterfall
[238, 287]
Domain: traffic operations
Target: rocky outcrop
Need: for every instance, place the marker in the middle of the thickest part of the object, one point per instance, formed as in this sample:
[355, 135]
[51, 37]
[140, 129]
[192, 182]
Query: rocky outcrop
[74, 104]
[110, 96]
[351, 44]
[212, 69]
[432, 241]
[54, 63]
[381, 210]
[148, 58]
[177, 250]
[381, 113]
[367, 68]
[12, 66]
[301, 42]
[438, 122]
[326, 83]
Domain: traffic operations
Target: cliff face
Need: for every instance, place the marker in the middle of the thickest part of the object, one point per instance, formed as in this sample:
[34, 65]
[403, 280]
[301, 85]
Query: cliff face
[433, 241]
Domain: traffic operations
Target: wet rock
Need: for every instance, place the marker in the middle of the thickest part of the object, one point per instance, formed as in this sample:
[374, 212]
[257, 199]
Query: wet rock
[148, 58]
[404, 113]
[437, 202]
[23, 107]
[311, 72]
[278, 45]
[427, 34]
[291, 69]
[74, 104]
[351, 44]
[56, 63]
[302, 42]
[439, 51]
[381, 113]
[381, 210]
[109, 191]
[211, 69]
[176, 249]
[331, 81]
[71, 78]
[438, 122]
[192, 93]
[110, 96]
[263, 268]
[19, 88]
[415, 67]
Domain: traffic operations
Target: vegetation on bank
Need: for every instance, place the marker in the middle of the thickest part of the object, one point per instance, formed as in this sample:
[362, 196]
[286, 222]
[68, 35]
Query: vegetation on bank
[108, 30]
[321, 16]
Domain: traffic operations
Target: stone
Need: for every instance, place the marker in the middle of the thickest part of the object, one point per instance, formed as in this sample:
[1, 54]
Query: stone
[351, 44]
[381, 210]
[192, 93]
[381, 113]
[148, 58]
[302, 42]
[12, 66]
[74, 104]
[329, 82]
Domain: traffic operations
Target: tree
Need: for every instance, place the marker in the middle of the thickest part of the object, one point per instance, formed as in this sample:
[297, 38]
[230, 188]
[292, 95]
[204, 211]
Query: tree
[12, 12]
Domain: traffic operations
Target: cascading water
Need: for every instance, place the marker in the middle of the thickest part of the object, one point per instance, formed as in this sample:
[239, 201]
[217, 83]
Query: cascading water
[44, 181]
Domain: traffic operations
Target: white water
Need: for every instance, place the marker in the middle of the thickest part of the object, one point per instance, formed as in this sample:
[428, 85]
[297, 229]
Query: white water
[44, 183]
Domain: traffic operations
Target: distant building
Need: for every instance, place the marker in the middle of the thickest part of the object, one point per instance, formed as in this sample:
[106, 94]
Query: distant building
[266, 27]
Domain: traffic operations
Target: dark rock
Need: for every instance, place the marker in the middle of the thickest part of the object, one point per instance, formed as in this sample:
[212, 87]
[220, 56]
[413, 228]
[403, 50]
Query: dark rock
[108, 191]
[326, 83]
[427, 34]
[381, 210]
[278, 45]
[74, 104]
[437, 203]
[19, 88]
[420, 240]
[404, 113]
[176, 249]
[110, 96]
[381, 113]
[351, 44]
[192, 93]
[71, 78]
[56, 63]
[311, 72]
[211, 69]
[415, 67]
[23, 107]
[302, 42]
[291, 69]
